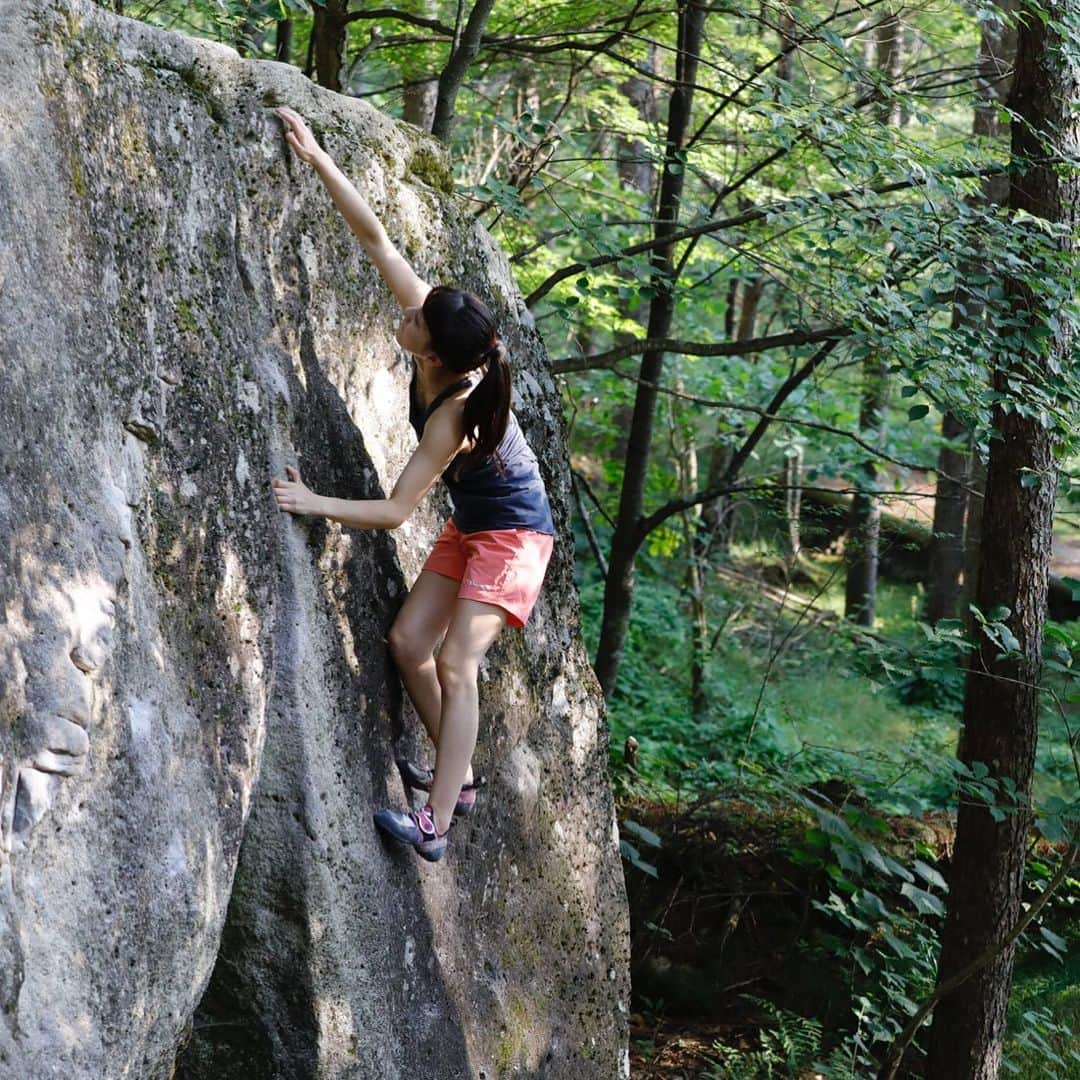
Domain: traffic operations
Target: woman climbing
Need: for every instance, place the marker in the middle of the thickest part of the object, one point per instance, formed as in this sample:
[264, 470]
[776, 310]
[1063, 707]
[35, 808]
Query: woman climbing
[487, 566]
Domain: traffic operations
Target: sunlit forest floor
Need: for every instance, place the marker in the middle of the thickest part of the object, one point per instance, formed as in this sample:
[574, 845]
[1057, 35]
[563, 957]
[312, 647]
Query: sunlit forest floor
[739, 969]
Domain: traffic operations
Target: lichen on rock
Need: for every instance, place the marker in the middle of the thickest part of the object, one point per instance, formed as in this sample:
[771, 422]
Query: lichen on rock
[197, 712]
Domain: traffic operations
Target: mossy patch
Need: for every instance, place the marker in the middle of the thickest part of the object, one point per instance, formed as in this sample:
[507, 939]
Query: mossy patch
[432, 169]
[78, 177]
[185, 317]
[513, 1041]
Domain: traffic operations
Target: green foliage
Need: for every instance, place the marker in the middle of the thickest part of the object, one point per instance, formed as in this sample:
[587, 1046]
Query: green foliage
[790, 1044]
[631, 853]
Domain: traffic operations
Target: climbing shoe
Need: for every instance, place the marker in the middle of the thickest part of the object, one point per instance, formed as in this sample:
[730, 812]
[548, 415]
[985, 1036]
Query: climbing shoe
[419, 779]
[416, 827]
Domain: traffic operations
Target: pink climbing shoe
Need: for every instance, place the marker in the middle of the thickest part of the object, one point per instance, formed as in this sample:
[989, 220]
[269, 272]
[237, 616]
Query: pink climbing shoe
[416, 827]
[419, 779]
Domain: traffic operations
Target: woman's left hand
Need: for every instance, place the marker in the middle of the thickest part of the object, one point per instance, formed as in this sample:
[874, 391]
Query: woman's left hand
[293, 495]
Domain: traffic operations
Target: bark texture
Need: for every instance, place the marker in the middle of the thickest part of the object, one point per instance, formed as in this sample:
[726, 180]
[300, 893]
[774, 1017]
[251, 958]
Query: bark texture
[1001, 706]
[197, 712]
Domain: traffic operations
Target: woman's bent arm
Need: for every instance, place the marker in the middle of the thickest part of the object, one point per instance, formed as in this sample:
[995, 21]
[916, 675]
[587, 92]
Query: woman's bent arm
[438, 447]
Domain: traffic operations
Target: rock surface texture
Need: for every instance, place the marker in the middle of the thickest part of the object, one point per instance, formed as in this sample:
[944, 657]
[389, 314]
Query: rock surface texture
[197, 712]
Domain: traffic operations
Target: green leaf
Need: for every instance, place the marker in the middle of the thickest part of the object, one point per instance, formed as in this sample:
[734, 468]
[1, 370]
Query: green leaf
[917, 412]
[925, 903]
[646, 836]
[1058, 942]
[930, 875]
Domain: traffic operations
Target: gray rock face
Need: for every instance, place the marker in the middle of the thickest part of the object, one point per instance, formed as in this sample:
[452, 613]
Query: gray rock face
[197, 711]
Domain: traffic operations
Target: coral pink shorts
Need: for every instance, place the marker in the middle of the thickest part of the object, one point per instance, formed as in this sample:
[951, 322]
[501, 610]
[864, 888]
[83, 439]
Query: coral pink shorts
[504, 567]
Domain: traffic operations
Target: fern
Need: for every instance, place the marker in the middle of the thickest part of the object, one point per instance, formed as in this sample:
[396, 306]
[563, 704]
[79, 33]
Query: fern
[790, 1045]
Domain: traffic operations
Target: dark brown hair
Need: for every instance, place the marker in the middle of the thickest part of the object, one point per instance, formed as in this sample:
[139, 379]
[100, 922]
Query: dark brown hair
[463, 336]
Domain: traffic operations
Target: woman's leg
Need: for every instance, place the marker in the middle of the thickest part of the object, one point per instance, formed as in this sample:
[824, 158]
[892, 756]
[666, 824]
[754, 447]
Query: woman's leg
[473, 627]
[418, 628]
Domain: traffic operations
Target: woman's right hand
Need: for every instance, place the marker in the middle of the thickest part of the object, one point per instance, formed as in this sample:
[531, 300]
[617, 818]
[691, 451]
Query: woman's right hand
[293, 495]
[298, 135]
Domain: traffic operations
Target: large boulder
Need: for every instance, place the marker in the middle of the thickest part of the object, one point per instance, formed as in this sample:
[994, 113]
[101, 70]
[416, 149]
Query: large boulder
[197, 712]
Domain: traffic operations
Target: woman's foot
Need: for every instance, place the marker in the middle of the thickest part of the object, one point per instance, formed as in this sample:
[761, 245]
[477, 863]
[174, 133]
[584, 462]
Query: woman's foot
[420, 779]
[416, 827]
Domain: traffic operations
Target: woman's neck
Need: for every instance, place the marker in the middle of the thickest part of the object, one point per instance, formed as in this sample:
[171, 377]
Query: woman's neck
[434, 380]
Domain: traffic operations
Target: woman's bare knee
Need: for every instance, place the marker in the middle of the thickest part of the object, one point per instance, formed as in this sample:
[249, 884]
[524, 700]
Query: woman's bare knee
[408, 648]
[455, 670]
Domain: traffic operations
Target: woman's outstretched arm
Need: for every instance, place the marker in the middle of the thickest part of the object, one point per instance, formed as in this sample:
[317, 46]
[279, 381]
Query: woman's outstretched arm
[407, 286]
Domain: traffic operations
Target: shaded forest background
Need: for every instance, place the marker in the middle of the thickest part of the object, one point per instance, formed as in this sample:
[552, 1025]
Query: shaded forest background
[806, 276]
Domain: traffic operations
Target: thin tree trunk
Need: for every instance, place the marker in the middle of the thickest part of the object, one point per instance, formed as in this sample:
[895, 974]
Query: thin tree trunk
[862, 549]
[718, 515]
[634, 166]
[1001, 703]
[997, 49]
[793, 469]
[619, 588]
[283, 41]
[864, 522]
[329, 32]
[950, 509]
[418, 93]
[461, 56]
[973, 533]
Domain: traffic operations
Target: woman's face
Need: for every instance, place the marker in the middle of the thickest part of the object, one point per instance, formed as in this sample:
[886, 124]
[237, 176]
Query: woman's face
[412, 332]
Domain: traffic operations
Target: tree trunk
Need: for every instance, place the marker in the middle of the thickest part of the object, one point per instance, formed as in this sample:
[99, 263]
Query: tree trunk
[418, 103]
[862, 549]
[1001, 703]
[619, 589]
[950, 508]
[466, 46]
[864, 523]
[635, 166]
[283, 41]
[418, 93]
[793, 470]
[329, 32]
[718, 515]
[997, 49]
[684, 453]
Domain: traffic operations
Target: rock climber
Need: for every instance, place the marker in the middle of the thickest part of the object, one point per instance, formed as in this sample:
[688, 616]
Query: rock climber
[487, 566]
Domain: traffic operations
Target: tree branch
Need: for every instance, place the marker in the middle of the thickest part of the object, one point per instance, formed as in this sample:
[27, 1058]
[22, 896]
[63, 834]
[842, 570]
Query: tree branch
[646, 524]
[607, 360]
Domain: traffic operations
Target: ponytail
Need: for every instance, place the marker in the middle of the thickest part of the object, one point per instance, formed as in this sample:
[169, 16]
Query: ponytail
[464, 337]
[487, 408]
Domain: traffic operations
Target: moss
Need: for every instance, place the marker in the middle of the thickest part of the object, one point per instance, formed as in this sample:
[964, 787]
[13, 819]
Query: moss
[512, 1039]
[135, 155]
[185, 317]
[78, 177]
[432, 169]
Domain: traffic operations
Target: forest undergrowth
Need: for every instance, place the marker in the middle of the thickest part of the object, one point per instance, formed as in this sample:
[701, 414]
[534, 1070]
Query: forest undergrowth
[785, 847]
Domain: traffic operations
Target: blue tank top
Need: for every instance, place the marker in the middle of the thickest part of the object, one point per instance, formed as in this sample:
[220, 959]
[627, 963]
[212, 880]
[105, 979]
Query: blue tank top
[504, 491]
